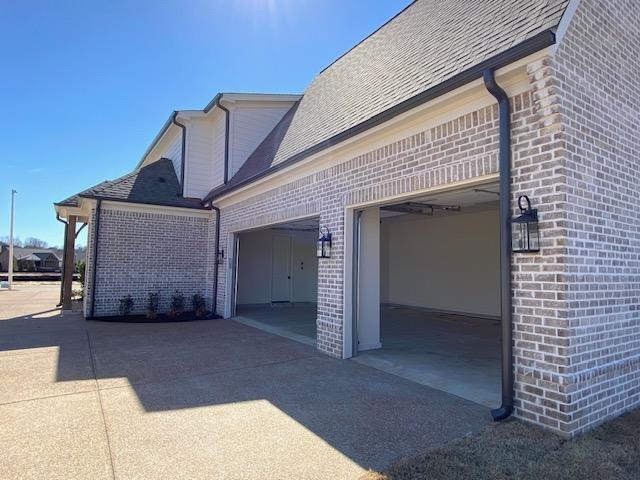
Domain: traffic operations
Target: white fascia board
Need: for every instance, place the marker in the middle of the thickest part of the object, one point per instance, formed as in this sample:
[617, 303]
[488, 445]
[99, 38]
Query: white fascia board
[82, 211]
[190, 114]
[260, 97]
[157, 209]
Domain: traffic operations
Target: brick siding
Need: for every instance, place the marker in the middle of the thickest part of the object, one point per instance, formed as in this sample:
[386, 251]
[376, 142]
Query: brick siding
[141, 253]
[596, 71]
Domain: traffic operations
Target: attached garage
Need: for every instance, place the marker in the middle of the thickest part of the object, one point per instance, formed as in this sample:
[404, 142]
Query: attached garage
[429, 292]
[277, 279]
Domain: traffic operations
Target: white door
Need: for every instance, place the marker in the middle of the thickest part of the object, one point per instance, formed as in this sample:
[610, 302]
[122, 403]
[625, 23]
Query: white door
[281, 269]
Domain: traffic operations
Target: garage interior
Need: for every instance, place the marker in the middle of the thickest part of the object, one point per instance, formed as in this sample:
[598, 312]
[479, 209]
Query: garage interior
[428, 287]
[277, 280]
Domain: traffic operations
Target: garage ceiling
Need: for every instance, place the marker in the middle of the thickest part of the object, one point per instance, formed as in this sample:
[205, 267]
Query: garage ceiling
[463, 198]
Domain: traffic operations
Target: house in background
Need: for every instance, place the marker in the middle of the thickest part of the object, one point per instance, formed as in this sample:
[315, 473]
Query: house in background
[30, 259]
[372, 216]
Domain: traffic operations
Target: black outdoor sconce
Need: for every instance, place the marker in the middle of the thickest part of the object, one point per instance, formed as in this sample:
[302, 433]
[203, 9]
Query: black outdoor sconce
[220, 257]
[524, 232]
[324, 243]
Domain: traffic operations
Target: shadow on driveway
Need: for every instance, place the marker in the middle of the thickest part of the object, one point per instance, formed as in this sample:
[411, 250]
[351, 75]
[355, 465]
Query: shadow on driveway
[217, 397]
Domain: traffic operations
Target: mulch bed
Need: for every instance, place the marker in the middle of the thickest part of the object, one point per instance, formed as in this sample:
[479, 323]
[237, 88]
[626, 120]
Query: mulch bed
[160, 318]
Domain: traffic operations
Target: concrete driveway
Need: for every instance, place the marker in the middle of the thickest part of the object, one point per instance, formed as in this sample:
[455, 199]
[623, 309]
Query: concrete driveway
[211, 399]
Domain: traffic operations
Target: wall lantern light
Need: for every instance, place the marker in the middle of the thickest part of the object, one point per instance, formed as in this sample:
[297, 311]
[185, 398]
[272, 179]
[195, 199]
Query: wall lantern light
[220, 257]
[324, 243]
[524, 232]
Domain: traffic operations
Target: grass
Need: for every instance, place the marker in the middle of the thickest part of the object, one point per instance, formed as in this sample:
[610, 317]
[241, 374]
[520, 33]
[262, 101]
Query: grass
[514, 450]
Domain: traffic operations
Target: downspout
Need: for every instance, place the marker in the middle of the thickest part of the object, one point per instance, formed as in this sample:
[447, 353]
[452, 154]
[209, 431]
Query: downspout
[226, 137]
[183, 149]
[95, 257]
[66, 227]
[214, 305]
[504, 133]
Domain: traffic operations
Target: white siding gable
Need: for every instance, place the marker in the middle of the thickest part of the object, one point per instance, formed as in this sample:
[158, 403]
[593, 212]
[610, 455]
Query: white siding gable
[169, 147]
[205, 156]
[250, 123]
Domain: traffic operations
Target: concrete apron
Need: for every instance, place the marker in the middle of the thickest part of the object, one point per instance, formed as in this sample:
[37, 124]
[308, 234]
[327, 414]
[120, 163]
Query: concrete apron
[457, 354]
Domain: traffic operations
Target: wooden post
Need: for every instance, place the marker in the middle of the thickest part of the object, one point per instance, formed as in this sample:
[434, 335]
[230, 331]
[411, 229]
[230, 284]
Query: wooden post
[69, 262]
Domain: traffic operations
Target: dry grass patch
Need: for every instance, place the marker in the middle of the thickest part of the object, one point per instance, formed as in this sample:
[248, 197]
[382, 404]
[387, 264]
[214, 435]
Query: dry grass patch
[514, 450]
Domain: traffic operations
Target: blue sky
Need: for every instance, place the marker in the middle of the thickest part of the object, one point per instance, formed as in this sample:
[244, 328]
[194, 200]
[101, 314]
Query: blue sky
[86, 85]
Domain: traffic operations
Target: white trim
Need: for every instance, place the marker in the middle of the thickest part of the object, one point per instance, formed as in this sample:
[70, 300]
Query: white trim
[155, 209]
[82, 211]
[563, 26]
[466, 99]
[347, 284]
[230, 274]
[261, 97]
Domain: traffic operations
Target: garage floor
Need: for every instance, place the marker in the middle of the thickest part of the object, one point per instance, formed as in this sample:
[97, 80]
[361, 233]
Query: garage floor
[296, 321]
[453, 353]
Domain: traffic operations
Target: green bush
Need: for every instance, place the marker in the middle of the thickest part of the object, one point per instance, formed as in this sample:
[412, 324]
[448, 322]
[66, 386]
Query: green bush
[199, 306]
[152, 305]
[177, 304]
[81, 268]
[126, 305]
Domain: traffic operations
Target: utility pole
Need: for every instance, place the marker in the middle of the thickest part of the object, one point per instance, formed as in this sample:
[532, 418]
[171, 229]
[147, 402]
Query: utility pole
[10, 276]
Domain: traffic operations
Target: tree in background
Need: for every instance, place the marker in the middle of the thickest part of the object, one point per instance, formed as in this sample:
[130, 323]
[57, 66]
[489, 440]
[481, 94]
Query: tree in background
[32, 242]
[16, 241]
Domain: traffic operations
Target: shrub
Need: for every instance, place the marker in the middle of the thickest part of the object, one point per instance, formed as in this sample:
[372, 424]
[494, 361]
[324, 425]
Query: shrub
[152, 305]
[81, 268]
[77, 294]
[177, 304]
[198, 305]
[126, 305]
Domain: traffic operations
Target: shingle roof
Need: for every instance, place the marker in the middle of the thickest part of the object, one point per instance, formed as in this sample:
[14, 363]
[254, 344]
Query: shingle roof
[28, 253]
[428, 43]
[155, 184]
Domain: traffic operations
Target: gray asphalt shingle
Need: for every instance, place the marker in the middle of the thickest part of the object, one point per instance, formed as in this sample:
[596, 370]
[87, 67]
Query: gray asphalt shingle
[426, 44]
[155, 184]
